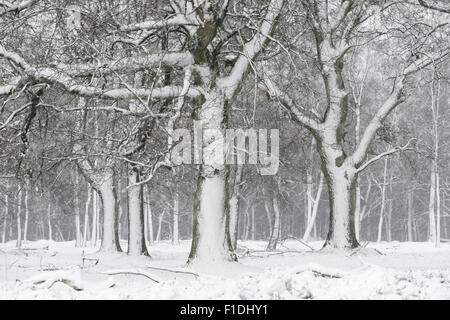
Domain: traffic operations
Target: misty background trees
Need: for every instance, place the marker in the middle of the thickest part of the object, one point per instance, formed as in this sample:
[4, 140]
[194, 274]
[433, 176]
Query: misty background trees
[91, 92]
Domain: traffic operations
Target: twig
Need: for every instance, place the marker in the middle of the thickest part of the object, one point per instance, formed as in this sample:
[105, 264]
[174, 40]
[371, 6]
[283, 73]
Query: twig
[175, 271]
[301, 241]
[135, 273]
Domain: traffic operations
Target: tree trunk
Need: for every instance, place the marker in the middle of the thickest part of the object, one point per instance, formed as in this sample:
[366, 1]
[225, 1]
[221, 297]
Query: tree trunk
[5, 217]
[86, 218]
[315, 209]
[234, 207]
[410, 215]
[342, 192]
[148, 214]
[438, 210]
[94, 217]
[431, 213]
[49, 220]
[176, 215]
[136, 238]
[19, 227]
[160, 221]
[110, 237]
[383, 201]
[275, 235]
[253, 223]
[210, 241]
[27, 213]
[77, 213]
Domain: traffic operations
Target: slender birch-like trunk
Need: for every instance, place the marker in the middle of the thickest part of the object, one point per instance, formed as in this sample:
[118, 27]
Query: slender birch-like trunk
[5, 216]
[315, 209]
[431, 207]
[148, 213]
[233, 207]
[27, 213]
[86, 217]
[19, 223]
[160, 221]
[94, 218]
[253, 223]
[49, 220]
[176, 215]
[383, 201]
[77, 212]
[410, 215]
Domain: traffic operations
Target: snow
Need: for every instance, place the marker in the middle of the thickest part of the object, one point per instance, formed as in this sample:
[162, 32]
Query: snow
[55, 270]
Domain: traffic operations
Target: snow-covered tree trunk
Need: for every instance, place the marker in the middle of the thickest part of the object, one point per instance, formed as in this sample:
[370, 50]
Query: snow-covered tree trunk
[49, 220]
[86, 217]
[431, 208]
[233, 207]
[383, 201]
[5, 217]
[247, 224]
[19, 223]
[210, 241]
[149, 218]
[136, 237]
[94, 217]
[27, 213]
[314, 211]
[77, 212]
[410, 215]
[110, 241]
[253, 224]
[276, 229]
[438, 211]
[160, 221]
[268, 215]
[176, 216]
[342, 192]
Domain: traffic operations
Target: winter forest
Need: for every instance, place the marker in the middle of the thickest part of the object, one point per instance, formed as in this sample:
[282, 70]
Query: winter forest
[113, 179]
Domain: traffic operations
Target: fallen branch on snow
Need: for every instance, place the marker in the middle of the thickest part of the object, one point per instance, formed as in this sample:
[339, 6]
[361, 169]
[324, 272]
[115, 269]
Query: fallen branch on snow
[47, 280]
[175, 271]
[130, 272]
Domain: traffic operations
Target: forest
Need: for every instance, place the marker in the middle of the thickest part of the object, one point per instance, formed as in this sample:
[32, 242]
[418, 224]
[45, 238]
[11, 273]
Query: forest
[115, 161]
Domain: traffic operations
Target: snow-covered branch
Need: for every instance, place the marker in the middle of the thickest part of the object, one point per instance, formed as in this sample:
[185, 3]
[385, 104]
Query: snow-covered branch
[55, 76]
[382, 155]
[174, 20]
[299, 114]
[395, 98]
[8, 6]
[137, 63]
[251, 49]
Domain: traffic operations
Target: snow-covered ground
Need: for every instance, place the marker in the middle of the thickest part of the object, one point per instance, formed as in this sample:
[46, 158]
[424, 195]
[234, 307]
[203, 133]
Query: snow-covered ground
[379, 271]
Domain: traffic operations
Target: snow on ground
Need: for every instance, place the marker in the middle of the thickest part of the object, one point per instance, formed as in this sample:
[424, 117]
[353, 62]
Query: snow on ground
[56, 270]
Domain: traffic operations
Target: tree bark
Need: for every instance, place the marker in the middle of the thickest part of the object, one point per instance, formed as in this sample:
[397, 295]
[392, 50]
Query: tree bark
[176, 216]
[314, 211]
[234, 207]
[210, 241]
[25, 225]
[110, 236]
[410, 215]
[5, 217]
[136, 236]
[86, 217]
[49, 220]
[19, 227]
[94, 217]
[431, 210]
[77, 213]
